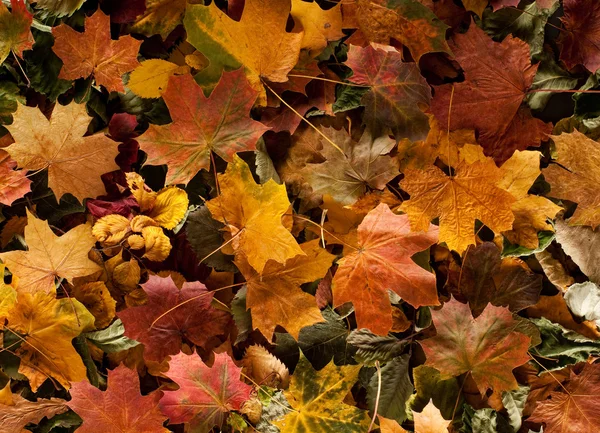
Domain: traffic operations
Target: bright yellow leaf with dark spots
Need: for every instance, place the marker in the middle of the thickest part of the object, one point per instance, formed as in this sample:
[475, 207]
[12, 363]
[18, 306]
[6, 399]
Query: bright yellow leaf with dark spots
[317, 398]
[170, 207]
[142, 194]
[252, 215]
[97, 299]
[47, 326]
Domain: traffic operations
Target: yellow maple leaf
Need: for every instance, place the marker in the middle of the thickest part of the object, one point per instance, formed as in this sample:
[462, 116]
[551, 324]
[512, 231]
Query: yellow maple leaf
[150, 79]
[252, 215]
[50, 257]
[275, 298]
[470, 193]
[74, 162]
[48, 325]
[319, 26]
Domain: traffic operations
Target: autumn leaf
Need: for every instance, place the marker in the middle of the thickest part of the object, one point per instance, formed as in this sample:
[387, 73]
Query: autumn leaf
[160, 17]
[274, 296]
[15, 33]
[47, 326]
[470, 193]
[573, 408]
[320, 26]
[316, 399]
[206, 394]
[497, 76]
[397, 90]
[13, 183]
[488, 347]
[50, 257]
[108, 410]
[382, 261]
[74, 162]
[170, 315]
[408, 21]
[365, 164]
[219, 123]
[579, 42]
[575, 178]
[150, 79]
[258, 41]
[263, 367]
[94, 53]
[429, 420]
[16, 416]
[252, 214]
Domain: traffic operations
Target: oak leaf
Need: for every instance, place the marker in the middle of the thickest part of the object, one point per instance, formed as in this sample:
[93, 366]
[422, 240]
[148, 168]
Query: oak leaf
[15, 33]
[576, 178]
[14, 417]
[577, 409]
[486, 347]
[13, 183]
[74, 162]
[258, 41]
[94, 53]
[47, 326]
[581, 38]
[397, 90]
[471, 193]
[220, 123]
[364, 164]
[382, 261]
[253, 215]
[274, 296]
[171, 315]
[119, 409]
[316, 399]
[497, 77]
[205, 394]
[50, 257]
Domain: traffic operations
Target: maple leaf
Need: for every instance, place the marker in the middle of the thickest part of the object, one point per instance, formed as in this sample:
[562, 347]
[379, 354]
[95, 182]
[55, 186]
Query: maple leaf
[220, 123]
[484, 277]
[15, 33]
[382, 261]
[171, 315]
[258, 41]
[74, 162]
[397, 89]
[581, 38]
[471, 193]
[316, 399]
[429, 420]
[13, 183]
[577, 410]
[320, 26]
[47, 326]
[20, 412]
[365, 164]
[205, 394]
[160, 17]
[150, 79]
[274, 296]
[94, 53]
[407, 21]
[497, 76]
[531, 212]
[576, 178]
[252, 213]
[487, 347]
[50, 257]
[111, 411]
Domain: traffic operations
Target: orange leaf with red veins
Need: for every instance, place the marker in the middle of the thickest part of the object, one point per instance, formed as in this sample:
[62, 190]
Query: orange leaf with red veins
[119, 409]
[397, 91]
[575, 411]
[13, 183]
[15, 33]
[220, 123]
[382, 262]
[206, 394]
[497, 77]
[486, 347]
[186, 314]
[94, 53]
[580, 41]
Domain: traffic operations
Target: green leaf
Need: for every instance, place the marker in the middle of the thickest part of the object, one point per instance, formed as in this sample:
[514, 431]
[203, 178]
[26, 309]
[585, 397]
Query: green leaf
[241, 316]
[545, 238]
[348, 98]
[548, 76]
[514, 402]
[483, 421]
[396, 388]
[430, 385]
[9, 96]
[371, 347]
[111, 339]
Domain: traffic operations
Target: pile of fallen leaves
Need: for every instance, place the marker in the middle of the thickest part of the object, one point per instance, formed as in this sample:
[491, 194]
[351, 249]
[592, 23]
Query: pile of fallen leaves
[300, 216]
